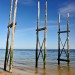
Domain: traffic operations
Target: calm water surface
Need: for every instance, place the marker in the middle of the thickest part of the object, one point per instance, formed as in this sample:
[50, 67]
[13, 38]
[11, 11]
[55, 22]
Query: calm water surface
[27, 57]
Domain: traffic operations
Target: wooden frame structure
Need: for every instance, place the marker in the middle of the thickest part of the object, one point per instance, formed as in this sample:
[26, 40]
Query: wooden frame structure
[39, 47]
[12, 23]
[67, 51]
[40, 51]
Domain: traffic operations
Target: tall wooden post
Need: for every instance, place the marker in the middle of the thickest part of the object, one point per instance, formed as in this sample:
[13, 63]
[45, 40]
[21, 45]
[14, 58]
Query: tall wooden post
[68, 35]
[45, 32]
[59, 39]
[12, 39]
[8, 34]
[37, 34]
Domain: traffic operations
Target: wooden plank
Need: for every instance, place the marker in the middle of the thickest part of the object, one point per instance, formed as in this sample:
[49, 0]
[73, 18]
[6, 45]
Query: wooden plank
[64, 31]
[64, 60]
[10, 25]
[40, 29]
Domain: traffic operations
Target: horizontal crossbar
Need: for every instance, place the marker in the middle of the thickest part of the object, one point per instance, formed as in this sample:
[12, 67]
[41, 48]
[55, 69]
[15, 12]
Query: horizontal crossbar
[40, 29]
[10, 25]
[64, 31]
[64, 60]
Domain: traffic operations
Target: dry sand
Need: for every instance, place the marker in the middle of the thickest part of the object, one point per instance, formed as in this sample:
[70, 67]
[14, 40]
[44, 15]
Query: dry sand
[54, 70]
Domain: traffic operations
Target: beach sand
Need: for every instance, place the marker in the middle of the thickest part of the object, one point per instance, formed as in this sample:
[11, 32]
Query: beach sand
[54, 70]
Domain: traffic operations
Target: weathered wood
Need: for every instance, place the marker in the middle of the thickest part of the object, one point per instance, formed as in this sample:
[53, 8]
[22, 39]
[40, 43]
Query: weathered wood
[40, 52]
[68, 35]
[36, 65]
[8, 34]
[37, 34]
[37, 37]
[64, 31]
[67, 51]
[40, 29]
[10, 25]
[45, 34]
[59, 39]
[12, 39]
[64, 60]
[6, 54]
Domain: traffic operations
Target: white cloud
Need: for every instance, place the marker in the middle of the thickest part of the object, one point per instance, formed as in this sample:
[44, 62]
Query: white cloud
[68, 7]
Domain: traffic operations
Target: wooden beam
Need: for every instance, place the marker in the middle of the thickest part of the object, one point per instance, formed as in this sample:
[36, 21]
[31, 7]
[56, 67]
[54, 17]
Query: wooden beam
[64, 31]
[64, 60]
[10, 25]
[40, 29]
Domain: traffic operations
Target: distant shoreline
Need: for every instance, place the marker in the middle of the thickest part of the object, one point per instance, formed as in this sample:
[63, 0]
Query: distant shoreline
[35, 49]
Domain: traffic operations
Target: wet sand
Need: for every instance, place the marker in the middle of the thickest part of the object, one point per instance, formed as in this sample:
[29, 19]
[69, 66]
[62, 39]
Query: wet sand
[53, 70]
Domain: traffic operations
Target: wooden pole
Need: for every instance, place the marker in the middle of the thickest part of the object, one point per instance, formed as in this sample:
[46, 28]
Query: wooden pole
[8, 34]
[59, 39]
[37, 34]
[12, 39]
[45, 32]
[68, 44]
[6, 54]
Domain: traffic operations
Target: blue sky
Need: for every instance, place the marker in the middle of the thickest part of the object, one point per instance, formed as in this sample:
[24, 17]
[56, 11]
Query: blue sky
[25, 35]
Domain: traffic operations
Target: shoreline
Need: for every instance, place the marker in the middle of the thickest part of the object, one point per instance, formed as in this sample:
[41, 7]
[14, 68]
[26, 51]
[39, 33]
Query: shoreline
[55, 70]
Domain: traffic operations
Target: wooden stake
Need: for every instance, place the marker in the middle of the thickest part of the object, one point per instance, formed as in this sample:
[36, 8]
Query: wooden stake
[59, 39]
[12, 39]
[68, 58]
[37, 34]
[8, 34]
[6, 54]
[45, 32]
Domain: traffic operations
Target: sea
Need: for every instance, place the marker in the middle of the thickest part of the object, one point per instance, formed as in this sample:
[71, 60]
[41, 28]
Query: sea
[26, 57]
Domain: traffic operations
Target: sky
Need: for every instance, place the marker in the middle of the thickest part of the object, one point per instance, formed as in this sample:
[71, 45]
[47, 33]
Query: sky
[25, 34]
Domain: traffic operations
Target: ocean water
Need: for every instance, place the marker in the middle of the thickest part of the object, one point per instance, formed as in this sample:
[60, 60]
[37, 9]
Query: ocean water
[26, 58]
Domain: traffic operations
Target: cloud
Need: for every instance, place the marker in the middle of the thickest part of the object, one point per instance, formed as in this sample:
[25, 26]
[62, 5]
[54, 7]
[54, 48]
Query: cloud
[67, 7]
[26, 2]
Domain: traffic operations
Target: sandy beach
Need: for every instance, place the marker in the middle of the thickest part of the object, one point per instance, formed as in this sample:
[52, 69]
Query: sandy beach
[55, 70]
